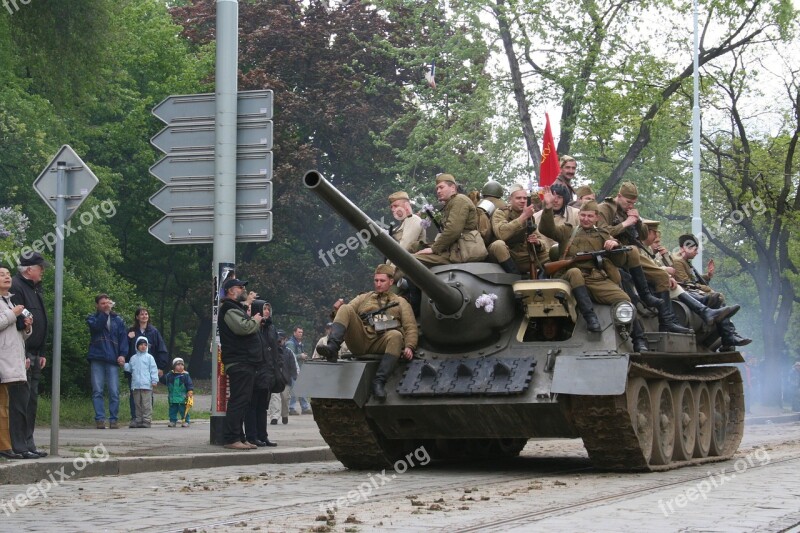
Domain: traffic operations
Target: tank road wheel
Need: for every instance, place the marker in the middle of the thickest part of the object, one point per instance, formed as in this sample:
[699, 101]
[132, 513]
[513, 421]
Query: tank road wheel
[685, 420]
[719, 411]
[641, 412]
[664, 423]
[702, 401]
[509, 447]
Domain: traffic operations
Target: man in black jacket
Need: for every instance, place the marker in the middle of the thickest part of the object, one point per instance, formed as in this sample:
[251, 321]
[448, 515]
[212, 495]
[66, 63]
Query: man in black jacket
[26, 288]
[241, 355]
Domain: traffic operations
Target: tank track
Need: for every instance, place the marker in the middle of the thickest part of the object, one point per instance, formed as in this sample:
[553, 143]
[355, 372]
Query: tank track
[605, 422]
[352, 439]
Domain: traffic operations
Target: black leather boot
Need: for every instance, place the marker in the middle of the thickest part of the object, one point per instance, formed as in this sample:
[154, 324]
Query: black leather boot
[709, 316]
[637, 337]
[586, 308]
[330, 350]
[388, 362]
[643, 289]
[667, 321]
[510, 266]
[729, 338]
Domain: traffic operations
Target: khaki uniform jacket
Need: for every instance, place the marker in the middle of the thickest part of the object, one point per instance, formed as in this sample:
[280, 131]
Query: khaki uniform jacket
[612, 216]
[459, 215]
[372, 301]
[570, 217]
[684, 273]
[409, 233]
[589, 240]
[485, 225]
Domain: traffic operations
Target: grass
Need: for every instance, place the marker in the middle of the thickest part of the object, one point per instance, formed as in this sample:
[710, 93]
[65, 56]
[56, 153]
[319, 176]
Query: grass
[78, 412]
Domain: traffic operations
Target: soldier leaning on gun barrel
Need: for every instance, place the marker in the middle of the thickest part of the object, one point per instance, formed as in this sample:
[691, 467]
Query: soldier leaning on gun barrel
[621, 218]
[511, 249]
[374, 322]
[686, 275]
[648, 254]
[587, 279]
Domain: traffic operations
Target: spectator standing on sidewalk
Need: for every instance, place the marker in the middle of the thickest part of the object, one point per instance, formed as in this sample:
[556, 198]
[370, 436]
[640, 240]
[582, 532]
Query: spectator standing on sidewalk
[179, 389]
[26, 289]
[295, 345]
[108, 348]
[241, 354]
[158, 348]
[255, 421]
[14, 329]
[144, 376]
[279, 403]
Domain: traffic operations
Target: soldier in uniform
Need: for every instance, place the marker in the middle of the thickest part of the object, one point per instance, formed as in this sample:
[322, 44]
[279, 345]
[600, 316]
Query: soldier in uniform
[491, 200]
[410, 231]
[392, 332]
[562, 213]
[648, 256]
[459, 218]
[620, 217]
[686, 275]
[512, 249]
[568, 169]
[587, 281]
[584, 193]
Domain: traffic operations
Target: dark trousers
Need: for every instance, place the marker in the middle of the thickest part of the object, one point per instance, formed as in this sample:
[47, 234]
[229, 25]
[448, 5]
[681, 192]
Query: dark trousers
[241, 377]
[34, 375]
[255, 421]
[18, 415]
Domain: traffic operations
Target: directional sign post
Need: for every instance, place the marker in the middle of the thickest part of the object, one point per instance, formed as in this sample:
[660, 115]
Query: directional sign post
[64, 184]
[188, 168]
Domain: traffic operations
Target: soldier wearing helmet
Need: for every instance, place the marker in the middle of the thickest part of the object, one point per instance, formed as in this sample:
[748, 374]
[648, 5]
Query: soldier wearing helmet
[491, 200]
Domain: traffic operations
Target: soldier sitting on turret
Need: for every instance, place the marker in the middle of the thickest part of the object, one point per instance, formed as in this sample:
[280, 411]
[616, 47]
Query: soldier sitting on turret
[686, 275]
[491, 200]
[513, 247]
[586, 278]
[621, 218]
[410, 231]
[392, 331]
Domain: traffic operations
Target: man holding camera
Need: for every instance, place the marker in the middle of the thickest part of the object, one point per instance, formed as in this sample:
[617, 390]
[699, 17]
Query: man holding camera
[26, 290]
[108, 347]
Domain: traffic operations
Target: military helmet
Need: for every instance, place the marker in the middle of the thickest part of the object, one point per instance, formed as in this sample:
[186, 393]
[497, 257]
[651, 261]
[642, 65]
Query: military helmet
[555, 253]
[492, 188]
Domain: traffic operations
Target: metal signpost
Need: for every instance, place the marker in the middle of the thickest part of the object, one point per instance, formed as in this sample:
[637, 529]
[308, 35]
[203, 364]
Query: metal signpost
[64, 184]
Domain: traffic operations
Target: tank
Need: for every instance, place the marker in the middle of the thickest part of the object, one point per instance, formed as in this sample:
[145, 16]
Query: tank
[483, 382]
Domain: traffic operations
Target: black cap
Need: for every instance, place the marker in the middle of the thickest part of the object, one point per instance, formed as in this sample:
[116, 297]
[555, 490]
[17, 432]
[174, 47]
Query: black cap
[281, 334]
[329, 325]
[233, 282]
[32, 259]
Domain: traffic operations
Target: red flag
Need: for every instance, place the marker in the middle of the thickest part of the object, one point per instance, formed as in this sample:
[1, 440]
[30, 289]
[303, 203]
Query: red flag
[549, 169]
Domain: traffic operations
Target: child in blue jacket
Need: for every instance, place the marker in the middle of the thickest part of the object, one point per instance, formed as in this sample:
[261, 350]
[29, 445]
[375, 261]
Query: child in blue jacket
[179, 385]
[144, 376]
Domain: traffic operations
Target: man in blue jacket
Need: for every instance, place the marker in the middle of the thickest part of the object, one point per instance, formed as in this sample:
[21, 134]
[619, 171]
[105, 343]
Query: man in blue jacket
[107, 350]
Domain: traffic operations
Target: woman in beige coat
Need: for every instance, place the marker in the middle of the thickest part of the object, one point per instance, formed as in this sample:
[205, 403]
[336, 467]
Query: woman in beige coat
[13, 379]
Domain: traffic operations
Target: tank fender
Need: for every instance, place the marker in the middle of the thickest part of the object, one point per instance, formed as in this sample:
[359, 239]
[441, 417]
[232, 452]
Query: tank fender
[591, 374]
[343, 380]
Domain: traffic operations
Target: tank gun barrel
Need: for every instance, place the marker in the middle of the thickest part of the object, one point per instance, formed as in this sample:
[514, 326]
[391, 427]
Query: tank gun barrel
[448, 299]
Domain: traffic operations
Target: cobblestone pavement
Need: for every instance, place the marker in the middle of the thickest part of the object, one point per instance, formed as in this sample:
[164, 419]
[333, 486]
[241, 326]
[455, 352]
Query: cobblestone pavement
[551, 486]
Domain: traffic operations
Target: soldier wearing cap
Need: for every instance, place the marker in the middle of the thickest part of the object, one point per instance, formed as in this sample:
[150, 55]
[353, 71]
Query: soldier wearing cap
[621, 218]
[583, 194]
[391, 332]
[562, 212]
[648, 256]
[586, 279]
[410, 231]
[459, 220]
[686, 275]
[569, 166]
[512, 249]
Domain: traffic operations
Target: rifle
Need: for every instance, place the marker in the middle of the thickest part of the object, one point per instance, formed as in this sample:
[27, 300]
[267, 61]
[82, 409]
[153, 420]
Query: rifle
[436, 222]
[554, 266]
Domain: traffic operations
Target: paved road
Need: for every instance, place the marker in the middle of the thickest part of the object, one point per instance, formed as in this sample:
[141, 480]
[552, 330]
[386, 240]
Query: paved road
[552, 486]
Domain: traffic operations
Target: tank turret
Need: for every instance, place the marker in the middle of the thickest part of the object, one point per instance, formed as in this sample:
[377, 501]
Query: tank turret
[448, 315]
